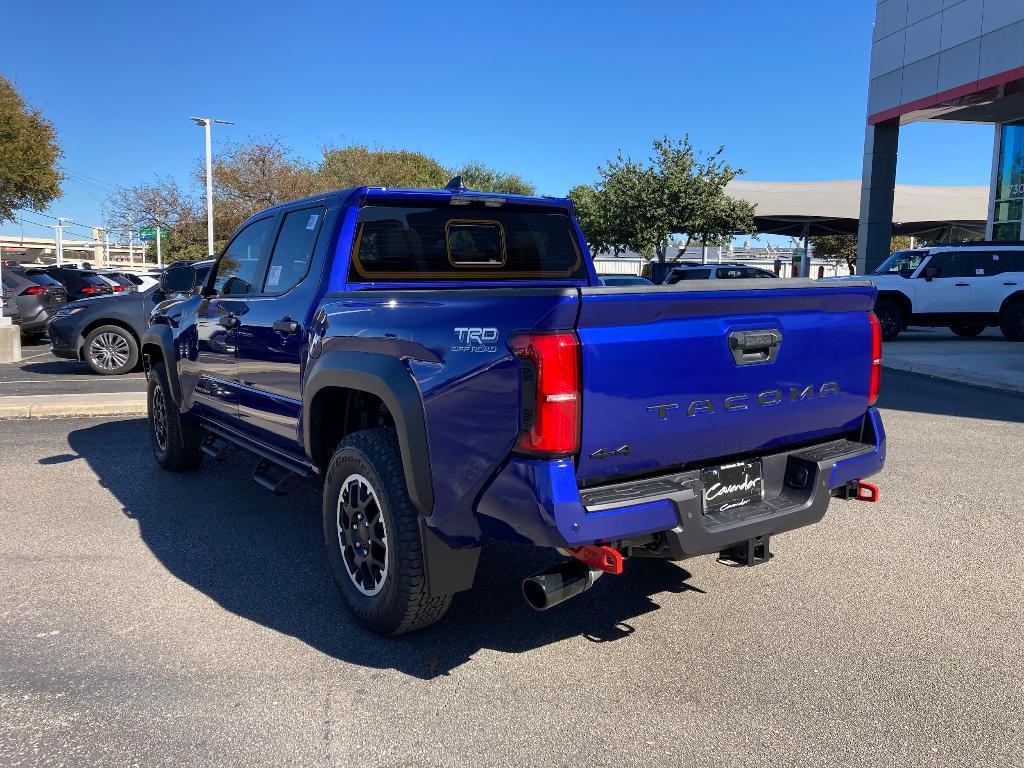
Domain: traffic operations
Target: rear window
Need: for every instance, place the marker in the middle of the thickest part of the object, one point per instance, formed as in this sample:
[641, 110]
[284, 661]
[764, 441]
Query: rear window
[462, 244]
[40, 278]
[91, 278]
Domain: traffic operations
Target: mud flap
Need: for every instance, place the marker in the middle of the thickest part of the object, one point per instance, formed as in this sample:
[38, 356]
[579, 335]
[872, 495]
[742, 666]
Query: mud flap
[448, 569]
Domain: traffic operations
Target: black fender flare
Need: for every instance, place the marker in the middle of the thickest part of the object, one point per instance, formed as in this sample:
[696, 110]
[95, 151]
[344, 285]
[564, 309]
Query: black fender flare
[387, 378]
[162, 337]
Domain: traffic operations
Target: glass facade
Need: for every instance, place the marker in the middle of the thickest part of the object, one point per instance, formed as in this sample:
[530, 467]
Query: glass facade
[1009, 184]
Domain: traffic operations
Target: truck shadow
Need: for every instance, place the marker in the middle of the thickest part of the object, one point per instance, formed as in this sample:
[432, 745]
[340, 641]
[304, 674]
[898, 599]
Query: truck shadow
[261, 557]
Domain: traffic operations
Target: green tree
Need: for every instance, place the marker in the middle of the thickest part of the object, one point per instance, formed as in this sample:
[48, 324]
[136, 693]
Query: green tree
[357, 165]
[640, 206]
[29, 176]
[476, 175]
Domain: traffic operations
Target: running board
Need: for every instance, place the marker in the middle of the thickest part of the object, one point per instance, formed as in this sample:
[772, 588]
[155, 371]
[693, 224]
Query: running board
[274, 477]
[217, 447]
[275, 473]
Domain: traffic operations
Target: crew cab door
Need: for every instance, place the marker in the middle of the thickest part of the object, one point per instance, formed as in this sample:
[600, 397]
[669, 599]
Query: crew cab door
[214, 370]
[949, 291]
[271, 339]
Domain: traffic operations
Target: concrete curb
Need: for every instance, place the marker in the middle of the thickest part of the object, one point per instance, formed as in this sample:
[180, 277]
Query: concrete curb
[958, 376]
[92, 404]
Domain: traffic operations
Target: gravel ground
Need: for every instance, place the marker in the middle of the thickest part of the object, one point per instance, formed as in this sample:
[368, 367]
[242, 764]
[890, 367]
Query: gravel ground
[150, 619]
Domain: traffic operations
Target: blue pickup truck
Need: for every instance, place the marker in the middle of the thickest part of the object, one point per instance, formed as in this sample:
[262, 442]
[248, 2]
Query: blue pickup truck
[448, 367]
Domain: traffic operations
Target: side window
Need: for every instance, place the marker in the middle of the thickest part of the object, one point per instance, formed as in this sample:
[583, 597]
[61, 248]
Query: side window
[236, 270]
[293, 250]
[730, 273]
[696, 274]
[1004, 261]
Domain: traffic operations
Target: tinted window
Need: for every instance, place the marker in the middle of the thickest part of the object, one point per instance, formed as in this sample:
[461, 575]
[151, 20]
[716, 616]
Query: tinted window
[960, 263]
[293, 250]
[1004, 261]
[730, 273]
[40, 278]
[750, 272]
[237, 268]
[461, 243]
[693, 274]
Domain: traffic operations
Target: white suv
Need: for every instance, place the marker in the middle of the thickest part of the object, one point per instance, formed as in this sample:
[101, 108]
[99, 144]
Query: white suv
[967, 287]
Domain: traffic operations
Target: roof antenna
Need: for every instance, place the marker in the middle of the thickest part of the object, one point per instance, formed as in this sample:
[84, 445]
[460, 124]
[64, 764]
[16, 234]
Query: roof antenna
[455, 185]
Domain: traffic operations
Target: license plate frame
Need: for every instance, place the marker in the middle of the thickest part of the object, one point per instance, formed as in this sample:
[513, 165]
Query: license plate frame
[732, 486]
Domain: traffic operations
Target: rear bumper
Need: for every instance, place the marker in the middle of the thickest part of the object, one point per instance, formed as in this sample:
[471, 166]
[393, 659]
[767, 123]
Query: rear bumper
[538, 502]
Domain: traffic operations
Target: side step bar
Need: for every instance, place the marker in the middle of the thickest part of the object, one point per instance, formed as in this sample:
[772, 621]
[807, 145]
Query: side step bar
[275, 473]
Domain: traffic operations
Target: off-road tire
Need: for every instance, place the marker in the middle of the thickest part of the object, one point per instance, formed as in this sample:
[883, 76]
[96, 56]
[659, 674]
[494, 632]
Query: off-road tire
[177, 446]
[967, 331]
[119, 341]
[1011, 321]
[403, 603]
[890, 318]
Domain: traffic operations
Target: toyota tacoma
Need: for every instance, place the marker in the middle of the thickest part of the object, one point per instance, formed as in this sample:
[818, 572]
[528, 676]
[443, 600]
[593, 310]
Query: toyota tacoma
[447, 366]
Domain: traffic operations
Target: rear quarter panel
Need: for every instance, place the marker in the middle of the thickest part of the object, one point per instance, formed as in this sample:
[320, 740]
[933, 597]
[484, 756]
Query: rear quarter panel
[470, 390]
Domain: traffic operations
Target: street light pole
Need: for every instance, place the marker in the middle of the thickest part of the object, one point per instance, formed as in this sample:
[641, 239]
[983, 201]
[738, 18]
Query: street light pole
[206, 122]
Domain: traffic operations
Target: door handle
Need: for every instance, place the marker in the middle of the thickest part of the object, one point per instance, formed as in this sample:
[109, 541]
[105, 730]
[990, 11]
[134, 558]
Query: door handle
[286, 325]
[961, 285]
[229, 321]
[1009, 283]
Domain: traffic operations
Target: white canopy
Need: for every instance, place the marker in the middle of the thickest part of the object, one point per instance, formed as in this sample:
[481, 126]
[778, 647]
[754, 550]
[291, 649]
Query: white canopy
[827, 207]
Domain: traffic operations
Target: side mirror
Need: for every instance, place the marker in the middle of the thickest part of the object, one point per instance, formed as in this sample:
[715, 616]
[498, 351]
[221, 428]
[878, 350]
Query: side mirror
[932, 272]
[178, 280]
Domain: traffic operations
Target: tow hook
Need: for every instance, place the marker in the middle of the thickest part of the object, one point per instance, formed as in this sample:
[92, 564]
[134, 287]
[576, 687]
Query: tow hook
[860, 490]
[605, 559]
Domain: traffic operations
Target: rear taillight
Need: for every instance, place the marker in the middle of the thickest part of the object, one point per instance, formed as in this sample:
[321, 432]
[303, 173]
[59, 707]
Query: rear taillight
[876, 359]
[33, 290]
[117, 288]
[550, 408]
[91, 289]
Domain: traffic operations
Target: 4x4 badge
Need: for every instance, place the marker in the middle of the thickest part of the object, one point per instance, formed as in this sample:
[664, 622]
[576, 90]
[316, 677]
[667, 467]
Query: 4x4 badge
[605, 453]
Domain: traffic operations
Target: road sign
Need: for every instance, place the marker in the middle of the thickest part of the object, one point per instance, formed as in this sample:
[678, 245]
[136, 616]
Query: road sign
[148, 234]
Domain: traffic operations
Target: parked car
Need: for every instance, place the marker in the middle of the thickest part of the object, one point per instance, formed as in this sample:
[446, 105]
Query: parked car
[8, 304]
[118, 281]
[623, 280]
[967, 287]
[37, 295]
[104, 332]
[448, 365]
[715, 272]
[142, 281]
[79, 283]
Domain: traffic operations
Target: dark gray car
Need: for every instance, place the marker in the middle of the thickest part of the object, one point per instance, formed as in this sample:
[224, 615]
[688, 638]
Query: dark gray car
[104, 332]
[37, 296]
[8, 305]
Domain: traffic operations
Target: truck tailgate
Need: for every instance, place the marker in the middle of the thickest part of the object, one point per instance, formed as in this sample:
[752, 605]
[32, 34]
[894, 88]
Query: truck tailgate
[688, 373]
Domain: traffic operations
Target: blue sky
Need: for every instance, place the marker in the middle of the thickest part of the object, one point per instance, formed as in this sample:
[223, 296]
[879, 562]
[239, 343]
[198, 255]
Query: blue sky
[546, 89]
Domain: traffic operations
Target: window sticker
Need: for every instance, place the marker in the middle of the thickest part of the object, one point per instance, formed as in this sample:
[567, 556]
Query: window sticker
[274, 276]
[979, 271]
[995, 257]
[311, 224]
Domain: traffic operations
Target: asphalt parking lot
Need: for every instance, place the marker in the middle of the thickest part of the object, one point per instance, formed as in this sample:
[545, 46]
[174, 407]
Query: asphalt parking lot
[41, 373]
[151, 619]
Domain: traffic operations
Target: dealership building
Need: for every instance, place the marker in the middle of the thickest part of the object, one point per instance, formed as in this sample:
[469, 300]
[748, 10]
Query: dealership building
[944, 60]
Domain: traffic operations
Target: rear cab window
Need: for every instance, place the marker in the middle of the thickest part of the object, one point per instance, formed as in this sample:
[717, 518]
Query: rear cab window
[447, 242]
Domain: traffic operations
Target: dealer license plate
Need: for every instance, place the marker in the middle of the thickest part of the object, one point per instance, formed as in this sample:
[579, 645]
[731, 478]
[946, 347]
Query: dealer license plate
[732, 486]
